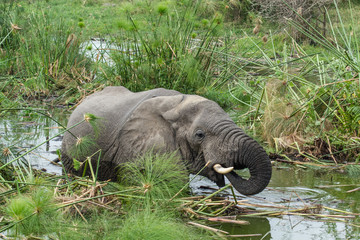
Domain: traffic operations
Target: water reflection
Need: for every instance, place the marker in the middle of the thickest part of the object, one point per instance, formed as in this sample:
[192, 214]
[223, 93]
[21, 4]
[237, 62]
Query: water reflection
[23, 130]
[257, 226]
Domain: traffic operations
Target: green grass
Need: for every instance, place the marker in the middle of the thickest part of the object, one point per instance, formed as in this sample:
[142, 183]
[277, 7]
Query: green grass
[167, 47]
[158, 176]
[157, 225]
[34, 213]
[293, 93]
[140, 207]
[43, 54]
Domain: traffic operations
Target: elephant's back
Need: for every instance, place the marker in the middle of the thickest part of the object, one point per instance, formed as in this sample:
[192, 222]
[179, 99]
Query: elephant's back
[110, 104]
[113, 106]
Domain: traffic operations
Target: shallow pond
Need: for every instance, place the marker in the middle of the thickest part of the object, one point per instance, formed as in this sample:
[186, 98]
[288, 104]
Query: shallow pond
[23, 130]
[290, 187]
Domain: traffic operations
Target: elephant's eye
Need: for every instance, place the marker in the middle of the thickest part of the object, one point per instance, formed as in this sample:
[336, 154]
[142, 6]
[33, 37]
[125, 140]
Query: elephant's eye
[199, 134]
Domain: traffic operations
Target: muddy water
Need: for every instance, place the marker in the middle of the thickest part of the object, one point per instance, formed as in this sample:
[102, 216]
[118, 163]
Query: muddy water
[290, 187]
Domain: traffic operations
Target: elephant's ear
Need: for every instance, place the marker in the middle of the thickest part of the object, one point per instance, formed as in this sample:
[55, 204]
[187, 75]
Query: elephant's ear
[186, 111]
[148, 128]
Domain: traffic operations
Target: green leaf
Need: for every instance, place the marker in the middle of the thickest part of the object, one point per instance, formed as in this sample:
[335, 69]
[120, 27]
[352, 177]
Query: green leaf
[94, 122]
[58, 152]
[77, 164]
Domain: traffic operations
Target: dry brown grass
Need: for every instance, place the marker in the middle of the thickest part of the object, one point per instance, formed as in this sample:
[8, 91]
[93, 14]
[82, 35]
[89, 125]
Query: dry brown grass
[280, 128]
[301, 11]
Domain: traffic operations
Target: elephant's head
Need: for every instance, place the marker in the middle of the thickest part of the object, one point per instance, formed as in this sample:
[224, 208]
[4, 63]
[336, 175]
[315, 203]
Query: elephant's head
[203, 133]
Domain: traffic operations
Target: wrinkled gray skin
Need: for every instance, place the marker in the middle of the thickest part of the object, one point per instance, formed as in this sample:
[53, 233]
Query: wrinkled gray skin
[201, 132]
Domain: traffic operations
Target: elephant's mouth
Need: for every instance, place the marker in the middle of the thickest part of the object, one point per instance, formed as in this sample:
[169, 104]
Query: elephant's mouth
[217, 173]
[255, 184]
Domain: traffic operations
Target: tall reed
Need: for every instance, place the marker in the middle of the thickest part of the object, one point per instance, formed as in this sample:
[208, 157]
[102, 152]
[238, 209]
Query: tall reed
[166, 49]
[303, 98]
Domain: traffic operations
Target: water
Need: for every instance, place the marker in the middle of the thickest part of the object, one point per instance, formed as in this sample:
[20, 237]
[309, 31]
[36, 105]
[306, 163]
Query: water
[24, 130]
[101, 50]
[295, 188]
[98, 50]
[290, 186]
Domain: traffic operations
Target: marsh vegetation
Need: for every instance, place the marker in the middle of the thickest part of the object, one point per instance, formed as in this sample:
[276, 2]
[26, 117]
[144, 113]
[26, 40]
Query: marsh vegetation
[293, 86]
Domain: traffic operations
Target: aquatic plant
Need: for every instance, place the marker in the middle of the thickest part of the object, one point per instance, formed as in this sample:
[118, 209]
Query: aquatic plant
[157, 176]
[40, 54]
[353, 171]
[166, 49]
[305, 98]
[33, 213]
[157, 225]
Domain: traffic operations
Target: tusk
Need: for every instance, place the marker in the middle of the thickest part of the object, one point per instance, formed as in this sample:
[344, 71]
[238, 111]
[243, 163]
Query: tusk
[219, 169]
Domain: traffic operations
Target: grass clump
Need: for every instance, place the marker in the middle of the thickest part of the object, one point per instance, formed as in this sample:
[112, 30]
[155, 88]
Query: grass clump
[158, 176]
[279, 128]
[353, 171]
[157, 225]
[166, 47]
[33, 213]
[295, 98]
[139, 208]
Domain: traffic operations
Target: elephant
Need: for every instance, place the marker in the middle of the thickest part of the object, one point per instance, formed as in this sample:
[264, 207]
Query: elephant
[201, 132]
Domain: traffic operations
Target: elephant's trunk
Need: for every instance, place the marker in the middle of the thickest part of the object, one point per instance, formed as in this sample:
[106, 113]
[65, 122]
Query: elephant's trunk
[240, 151]
[252, 156]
